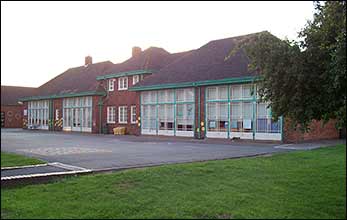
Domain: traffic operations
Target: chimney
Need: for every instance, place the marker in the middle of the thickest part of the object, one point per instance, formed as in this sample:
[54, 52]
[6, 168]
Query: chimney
[136, 51]
[88, 60]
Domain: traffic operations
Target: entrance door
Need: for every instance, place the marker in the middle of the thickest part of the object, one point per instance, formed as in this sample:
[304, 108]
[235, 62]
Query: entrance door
[76, 120]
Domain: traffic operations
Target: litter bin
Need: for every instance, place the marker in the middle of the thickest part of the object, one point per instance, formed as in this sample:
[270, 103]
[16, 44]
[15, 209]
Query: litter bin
[105, 129]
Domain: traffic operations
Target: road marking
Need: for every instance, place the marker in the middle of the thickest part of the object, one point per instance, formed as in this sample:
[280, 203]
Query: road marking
[56, 151]
[71, 170]
[43, 174]
[26, 166]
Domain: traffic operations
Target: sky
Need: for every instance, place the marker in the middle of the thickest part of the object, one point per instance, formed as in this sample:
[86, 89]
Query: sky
[40, 40]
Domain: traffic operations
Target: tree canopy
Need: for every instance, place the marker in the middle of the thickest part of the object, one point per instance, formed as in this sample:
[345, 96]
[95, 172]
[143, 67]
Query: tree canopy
[305, 79]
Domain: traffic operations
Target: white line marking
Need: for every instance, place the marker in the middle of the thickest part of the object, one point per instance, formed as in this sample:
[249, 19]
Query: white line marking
[43, 174]
[26, 166]
[66, 166]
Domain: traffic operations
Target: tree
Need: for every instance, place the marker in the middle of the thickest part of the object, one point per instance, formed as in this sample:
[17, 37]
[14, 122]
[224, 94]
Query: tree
[305, 80]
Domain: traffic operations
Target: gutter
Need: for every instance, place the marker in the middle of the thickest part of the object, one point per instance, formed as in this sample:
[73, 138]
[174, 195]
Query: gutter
[234, 80]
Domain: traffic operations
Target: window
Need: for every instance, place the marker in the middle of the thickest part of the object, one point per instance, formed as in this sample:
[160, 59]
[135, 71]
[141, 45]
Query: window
[241, 91]
[166, 116]
[122, 114]
[236, 92]
[38, 113]
[217, 117]
[185, 117]
[148, 97]
[217, 93]
[265, 124]
[77, 113]
[123, 83]
[133, 114]
[136, 79]
[111, 114]
[111, 84]
[185, 95]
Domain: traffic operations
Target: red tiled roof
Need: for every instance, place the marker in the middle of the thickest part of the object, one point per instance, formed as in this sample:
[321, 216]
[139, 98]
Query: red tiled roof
[206, 63]
[75, 80]
[11, 94]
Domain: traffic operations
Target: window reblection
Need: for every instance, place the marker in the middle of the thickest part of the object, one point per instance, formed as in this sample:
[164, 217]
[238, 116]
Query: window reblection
[244, 112]
[168, 110]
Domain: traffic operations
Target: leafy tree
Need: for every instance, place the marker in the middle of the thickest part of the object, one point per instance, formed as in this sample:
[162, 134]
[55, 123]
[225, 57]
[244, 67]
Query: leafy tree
[306, 79]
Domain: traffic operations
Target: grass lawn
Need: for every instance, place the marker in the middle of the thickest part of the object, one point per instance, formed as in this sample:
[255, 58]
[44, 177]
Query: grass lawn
[302, 184]
[10, 160]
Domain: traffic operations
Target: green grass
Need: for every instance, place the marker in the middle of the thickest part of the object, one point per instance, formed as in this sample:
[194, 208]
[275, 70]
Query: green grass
[302, 184]
[11, 159]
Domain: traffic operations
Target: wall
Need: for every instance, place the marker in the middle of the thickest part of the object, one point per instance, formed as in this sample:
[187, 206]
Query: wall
[317, 132]
[13, 115]
[122, 98]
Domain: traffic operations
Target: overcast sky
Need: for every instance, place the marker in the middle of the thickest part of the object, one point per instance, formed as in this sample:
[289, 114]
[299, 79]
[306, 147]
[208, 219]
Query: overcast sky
[40, 40]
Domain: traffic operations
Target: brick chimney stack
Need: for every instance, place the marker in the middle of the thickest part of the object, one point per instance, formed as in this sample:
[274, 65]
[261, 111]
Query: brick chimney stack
[136, 51]
[88, 60]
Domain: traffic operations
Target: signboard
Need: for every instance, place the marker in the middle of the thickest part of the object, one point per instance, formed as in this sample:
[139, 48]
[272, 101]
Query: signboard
[57, 114]
[25, 112]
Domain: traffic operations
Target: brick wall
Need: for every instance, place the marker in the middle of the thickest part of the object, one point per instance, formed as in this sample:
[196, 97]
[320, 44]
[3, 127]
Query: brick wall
[13, 115]
[118, 98]
[317, 131]
[96, 124]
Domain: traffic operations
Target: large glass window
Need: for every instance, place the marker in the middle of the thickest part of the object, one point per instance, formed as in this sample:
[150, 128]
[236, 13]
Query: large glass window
[38, 114]
[77, 113]
[217, 116]
[168, 110]
[246, 115]
[241, 117]
[239, 92]
[265, 123]
[166, 117]
[185, 117]
[149, 117]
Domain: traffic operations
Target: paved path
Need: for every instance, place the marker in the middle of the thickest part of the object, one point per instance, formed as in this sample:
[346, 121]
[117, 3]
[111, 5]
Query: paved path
[102, 152]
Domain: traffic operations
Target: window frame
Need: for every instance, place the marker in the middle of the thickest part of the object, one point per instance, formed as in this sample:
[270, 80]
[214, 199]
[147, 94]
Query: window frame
[109, 83]
[133, 114]
[121, 83]
[136, 77]
[125, 114]
[108, 114]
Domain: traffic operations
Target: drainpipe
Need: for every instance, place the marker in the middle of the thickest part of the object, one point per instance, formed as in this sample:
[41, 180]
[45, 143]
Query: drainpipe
[51, 117]
[100, 104]
[199, 114]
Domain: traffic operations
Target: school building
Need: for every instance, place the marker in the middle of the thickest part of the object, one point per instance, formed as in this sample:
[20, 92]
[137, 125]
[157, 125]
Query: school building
[202, 93]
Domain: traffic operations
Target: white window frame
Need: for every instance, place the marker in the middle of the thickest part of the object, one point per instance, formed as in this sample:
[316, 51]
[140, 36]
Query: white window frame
[123, 83]
[111, 82]
[122, 114]
[111, 114]
[136, 79]
[133, 114]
